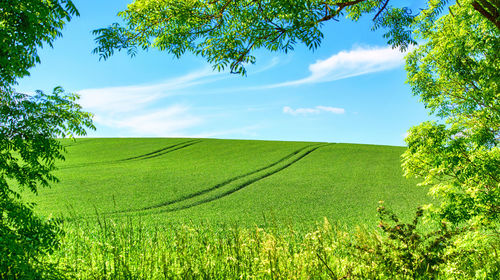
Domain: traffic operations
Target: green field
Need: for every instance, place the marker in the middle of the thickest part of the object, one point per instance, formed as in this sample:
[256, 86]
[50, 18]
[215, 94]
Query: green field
[157, 208]
[229, 181]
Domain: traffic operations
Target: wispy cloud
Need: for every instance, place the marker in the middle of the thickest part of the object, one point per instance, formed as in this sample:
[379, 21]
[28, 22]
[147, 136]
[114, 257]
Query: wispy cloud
[274, 62]
[170, 121]
[134, 109]
[346, 64]
[312, 111]
[332, 110]
[127, 98]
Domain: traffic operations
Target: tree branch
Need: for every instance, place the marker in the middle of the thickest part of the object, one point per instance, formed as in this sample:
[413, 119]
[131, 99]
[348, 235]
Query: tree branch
[493, 13]
[341, 6]
[381, 9]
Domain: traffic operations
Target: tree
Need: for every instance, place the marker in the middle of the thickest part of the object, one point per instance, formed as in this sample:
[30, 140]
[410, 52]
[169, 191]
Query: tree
[456, 75]
[29, 128]
[26, 25]
[226, 32]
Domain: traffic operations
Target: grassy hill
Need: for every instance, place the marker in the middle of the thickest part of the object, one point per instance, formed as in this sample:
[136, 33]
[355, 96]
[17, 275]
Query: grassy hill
[229, 181]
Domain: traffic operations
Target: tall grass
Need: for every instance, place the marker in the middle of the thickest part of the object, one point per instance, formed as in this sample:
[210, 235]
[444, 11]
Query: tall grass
[131, 249]
[104, 249]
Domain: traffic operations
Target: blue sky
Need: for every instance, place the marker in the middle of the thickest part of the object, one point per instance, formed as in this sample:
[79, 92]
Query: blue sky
[352, 89]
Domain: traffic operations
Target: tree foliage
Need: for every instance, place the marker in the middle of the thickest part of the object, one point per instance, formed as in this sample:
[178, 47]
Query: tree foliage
[29, 128]
[456, 75]
[25, 25]
[226, 32]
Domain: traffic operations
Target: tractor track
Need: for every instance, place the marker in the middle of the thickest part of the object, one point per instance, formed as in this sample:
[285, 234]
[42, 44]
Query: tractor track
[311, 148]
[163, 151]
[150, 155]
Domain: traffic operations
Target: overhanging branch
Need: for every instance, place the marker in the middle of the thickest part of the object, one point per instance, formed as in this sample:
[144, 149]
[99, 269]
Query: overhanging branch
[489, 10]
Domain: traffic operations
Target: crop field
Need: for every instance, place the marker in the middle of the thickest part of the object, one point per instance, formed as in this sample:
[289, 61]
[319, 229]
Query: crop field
[156, 208]
[229, 181]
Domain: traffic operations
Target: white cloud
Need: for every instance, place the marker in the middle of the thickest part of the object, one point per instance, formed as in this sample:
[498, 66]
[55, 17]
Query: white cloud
[274, 61]
[300, 111]
[134, 109]
[128, 98]
[170, 121]
[331, 109]
[346, 64]
[311, 111]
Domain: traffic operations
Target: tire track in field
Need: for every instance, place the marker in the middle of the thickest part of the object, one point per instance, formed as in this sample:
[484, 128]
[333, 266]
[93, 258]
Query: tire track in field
[243, 185]
[149, 155]
[310, 149]
[163, 151]
[218, 186]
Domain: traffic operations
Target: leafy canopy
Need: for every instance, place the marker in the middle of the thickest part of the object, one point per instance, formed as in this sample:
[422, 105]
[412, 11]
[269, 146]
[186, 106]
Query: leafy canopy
[29, 128]
[226, 32]
[25, 25]
[456, 75]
